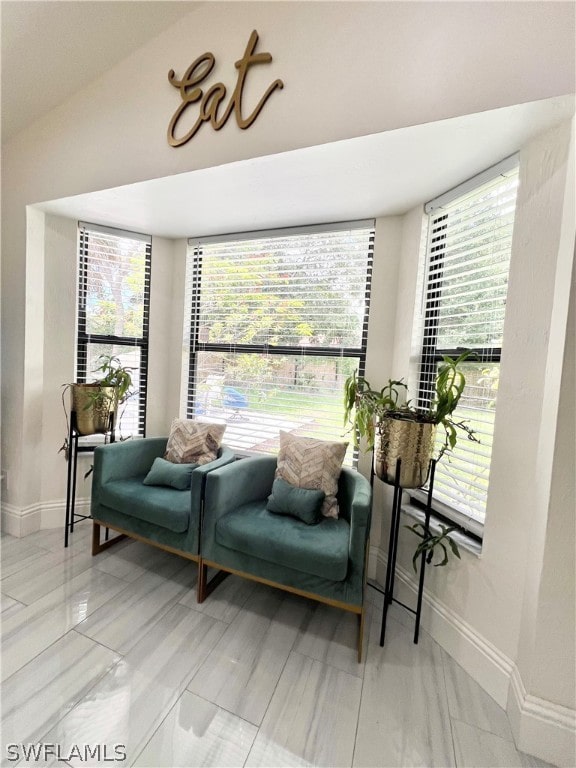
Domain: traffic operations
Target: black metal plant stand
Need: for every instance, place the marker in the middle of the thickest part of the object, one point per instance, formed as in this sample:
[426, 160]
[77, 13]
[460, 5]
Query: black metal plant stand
[393, 548]
[73, 450]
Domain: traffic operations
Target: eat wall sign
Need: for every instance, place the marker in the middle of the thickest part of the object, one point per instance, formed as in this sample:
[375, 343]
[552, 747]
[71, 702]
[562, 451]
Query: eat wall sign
[210, 103]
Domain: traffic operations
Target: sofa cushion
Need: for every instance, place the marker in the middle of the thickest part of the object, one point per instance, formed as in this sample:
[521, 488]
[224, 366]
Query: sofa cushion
[193, 442]
[178, 476]
[165, 507]
[307, 462]
[287, 499]
[321, 549]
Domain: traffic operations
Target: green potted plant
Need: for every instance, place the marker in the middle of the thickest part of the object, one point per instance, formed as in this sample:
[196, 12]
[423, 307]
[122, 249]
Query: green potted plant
[95, 403]
[397, 429]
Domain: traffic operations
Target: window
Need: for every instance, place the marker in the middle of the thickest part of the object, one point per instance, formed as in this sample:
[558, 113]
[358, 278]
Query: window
[113, 311]
[278, 320]
[468, 258]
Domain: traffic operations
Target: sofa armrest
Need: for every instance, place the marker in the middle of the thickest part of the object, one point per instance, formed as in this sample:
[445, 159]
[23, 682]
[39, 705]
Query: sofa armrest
[118, 461]
[199, 475]
[225, 456]
[355, 495]
[239, 483]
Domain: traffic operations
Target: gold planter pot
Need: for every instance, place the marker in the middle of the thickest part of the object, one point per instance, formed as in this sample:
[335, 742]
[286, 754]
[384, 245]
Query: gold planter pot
[410, 441]
[93, 412]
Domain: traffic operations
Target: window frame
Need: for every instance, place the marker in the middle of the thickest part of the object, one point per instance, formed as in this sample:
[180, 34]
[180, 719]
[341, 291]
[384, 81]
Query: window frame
[430, 354]
[196, 347]
[84, 339]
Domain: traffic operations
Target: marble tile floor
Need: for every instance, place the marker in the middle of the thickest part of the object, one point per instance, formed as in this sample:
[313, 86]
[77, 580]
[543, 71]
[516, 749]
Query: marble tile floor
[114, 651]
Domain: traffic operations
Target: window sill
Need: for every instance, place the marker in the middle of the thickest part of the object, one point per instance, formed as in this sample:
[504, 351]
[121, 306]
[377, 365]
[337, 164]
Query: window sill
[462, 540]
[88, 443]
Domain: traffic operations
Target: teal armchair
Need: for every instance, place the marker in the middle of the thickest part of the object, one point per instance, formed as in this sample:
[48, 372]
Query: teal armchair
[326, 562]
[162, 516]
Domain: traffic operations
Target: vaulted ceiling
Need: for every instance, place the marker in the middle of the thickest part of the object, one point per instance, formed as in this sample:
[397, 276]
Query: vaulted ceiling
[51, 49]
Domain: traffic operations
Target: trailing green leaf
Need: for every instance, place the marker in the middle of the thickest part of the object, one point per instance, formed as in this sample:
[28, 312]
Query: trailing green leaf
[430, 543]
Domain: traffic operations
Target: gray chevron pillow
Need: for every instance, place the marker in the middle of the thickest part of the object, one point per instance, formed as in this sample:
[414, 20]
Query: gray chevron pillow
[193, 442]
[313, 464]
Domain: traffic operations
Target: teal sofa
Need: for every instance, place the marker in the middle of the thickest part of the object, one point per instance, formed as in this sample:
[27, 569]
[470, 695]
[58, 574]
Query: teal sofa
[326, 562]
[162, 516]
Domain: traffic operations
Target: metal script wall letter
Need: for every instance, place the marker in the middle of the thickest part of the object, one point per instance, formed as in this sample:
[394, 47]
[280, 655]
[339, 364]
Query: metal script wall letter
[211, 100]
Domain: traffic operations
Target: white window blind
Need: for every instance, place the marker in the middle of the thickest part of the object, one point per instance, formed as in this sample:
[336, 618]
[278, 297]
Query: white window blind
[113, 310]
[468, 259]
[278, 320]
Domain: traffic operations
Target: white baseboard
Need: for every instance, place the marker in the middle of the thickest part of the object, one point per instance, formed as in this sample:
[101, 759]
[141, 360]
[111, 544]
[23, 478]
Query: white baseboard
[540, 727]
[22, 521]
[373, 554]
[53, 513]
[19, 521]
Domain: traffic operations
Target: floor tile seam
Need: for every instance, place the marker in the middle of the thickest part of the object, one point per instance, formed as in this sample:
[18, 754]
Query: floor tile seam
[290, 651]
[172, 701]
[76, 704]
[23, 565]
[222, 707]
[42, 546]
[177, 693]
[187, 679]
[126, 585]
[6, 679]
[332, 665]
[228, 626]
[325, 664]
[451, 718]
[19, 600]
[361, 696]
[79, 573]
[120, 578]
[259, 725]
[4, 577]
[160, 724]
[485, 730]
[58, 639]
[120, 654]
[203, 613]
[156, 619]
[458, 718]
[16, 599]
[64, 597]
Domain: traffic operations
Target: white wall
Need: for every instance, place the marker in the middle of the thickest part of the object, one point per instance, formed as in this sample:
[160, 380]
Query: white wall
[166, 323]
[387, 259]
[60, 269]
[499, 600]
[349, 69]
[554, 637]
[51, 319]
[359, 69]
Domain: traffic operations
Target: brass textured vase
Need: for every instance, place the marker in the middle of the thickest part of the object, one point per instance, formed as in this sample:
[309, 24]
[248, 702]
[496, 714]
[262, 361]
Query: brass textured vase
[93, 405]
[410, 441]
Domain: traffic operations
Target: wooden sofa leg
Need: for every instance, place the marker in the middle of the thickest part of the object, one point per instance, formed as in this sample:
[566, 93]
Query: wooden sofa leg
[95, 539]
[360, 633]
[98, 546]
[205, 587]
[201, 584]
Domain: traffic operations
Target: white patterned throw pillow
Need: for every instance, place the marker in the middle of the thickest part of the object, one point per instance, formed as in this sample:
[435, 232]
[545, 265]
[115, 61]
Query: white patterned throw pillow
[307, 462]
[193, 442]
